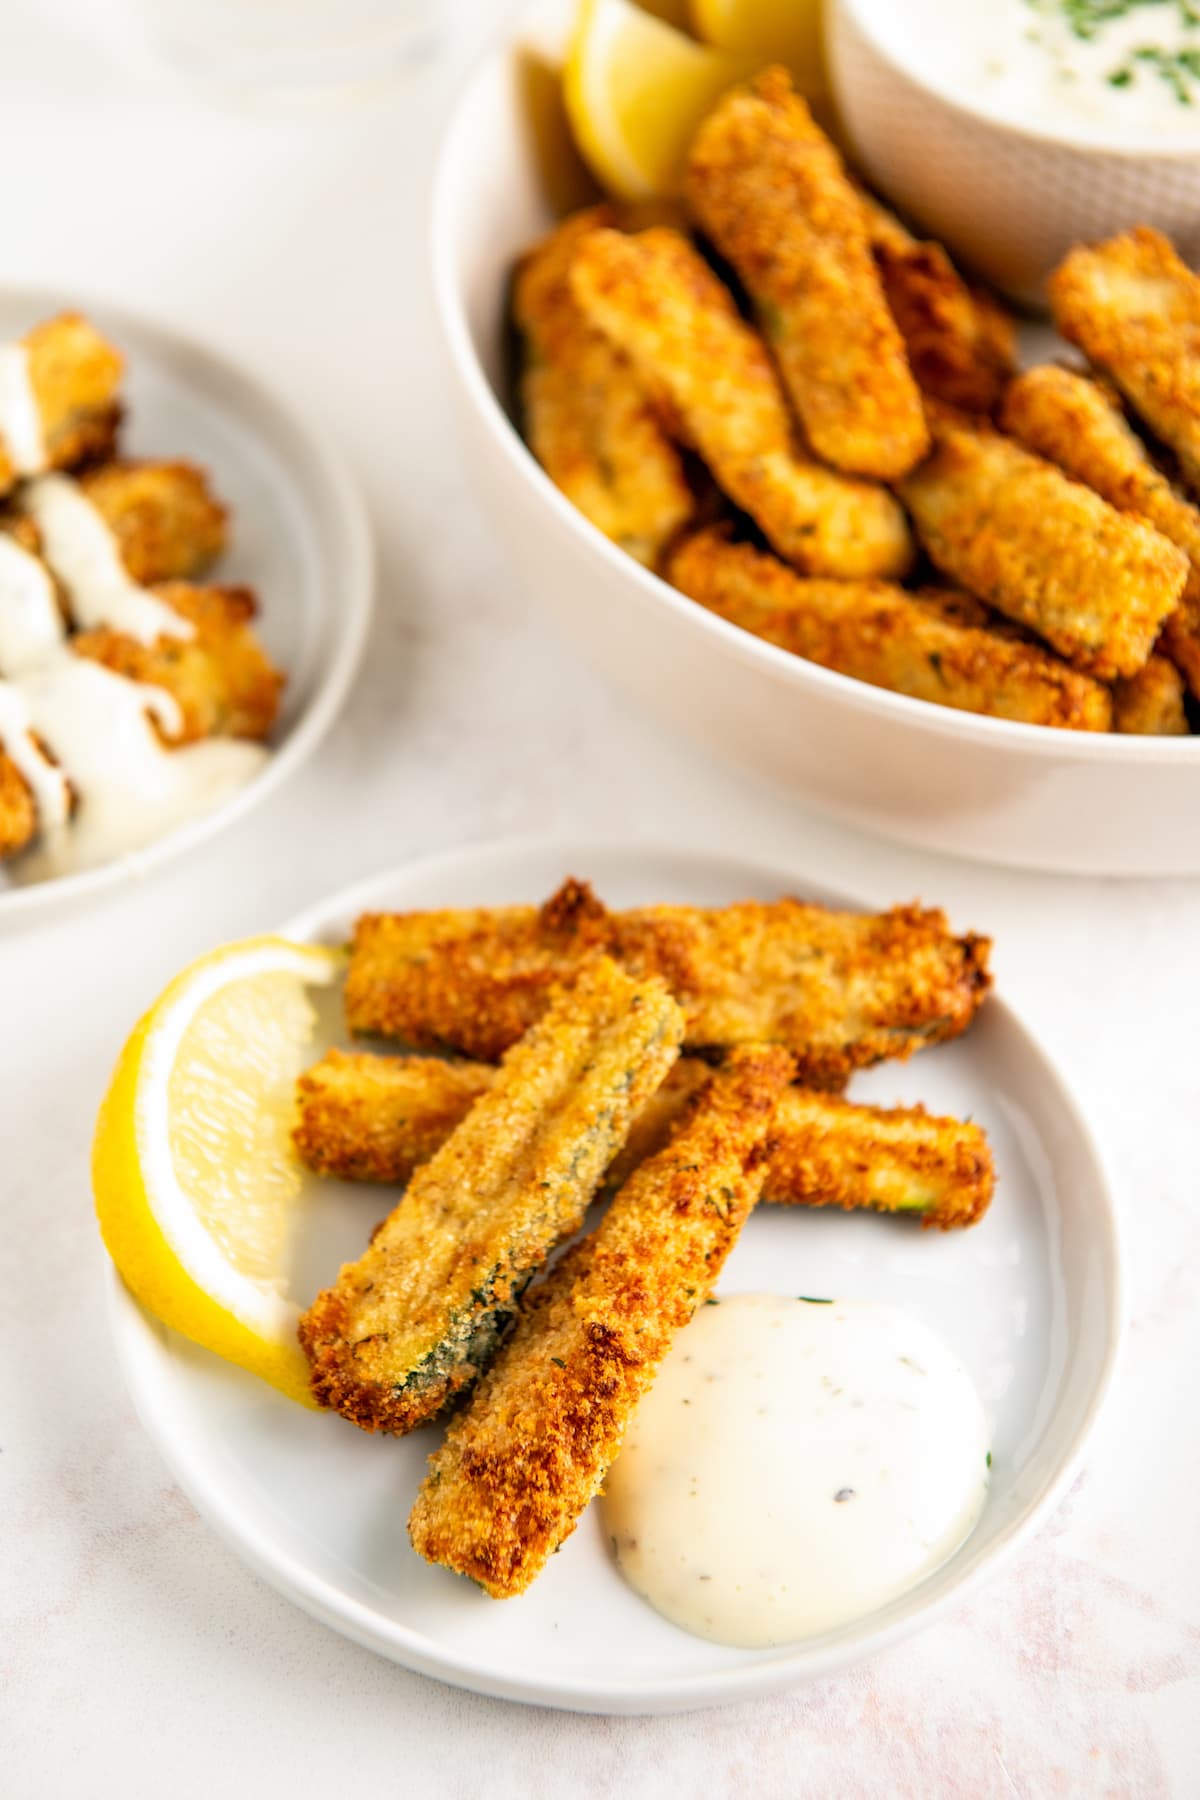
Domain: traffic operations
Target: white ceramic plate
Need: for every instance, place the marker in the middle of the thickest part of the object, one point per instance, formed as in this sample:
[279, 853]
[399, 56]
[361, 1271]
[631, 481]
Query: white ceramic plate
[299, 537]
[1029, 1299]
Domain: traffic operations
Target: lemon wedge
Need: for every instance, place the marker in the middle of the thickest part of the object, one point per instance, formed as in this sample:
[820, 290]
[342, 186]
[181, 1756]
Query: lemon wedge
[193, 1168]
[784, 31]
[636, 89]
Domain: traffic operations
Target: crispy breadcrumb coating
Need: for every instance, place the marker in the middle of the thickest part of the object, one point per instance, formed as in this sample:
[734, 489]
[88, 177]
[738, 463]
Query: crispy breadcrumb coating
[221, 678]
[18, 811]
[961, 342]
[769, 189]
[586, 415]
[519, 1466]
[1150, 703]
[1077, 423]
[75, 375]
[1046, 551]
[708, 371]
[378, 1118]
[879, 633]
[168, 524]
[1133, 307]
[412, 1322]
[839, 990]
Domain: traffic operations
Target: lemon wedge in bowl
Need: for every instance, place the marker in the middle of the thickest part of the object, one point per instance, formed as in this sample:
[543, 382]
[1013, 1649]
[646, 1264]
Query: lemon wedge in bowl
[636, 89]
[193, 1170]
[784, 31]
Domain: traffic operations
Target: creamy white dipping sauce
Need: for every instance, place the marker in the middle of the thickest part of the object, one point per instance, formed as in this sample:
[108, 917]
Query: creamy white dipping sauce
[130, 788]
[20, 418]
[31, 625]
[795, 1466]
[1105, 70]
[81, 550]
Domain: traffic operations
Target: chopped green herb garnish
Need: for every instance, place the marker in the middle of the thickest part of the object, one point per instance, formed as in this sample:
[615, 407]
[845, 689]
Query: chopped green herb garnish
[811, 1300]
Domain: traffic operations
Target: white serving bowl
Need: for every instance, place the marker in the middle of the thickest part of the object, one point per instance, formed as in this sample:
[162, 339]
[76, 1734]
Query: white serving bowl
[1008, 199]
[1072, 801]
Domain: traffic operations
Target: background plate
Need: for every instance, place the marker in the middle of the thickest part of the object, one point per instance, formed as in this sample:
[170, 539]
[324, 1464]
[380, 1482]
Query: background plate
[299, 537]
[1029, 1299]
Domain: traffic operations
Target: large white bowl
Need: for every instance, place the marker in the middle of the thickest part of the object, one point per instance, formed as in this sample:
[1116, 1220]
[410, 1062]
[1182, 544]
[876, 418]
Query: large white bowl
[1080, 802]
[1009, 199]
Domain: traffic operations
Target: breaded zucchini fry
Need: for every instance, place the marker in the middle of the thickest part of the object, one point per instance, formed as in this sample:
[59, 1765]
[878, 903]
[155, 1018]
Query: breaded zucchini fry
[413, 1321]
[657, 300]
[1150, 703]
[378, 1118]
[881, 634]
[586, 415]
[58, 398]
[769, 189]
[1073, 421]
[1095, 583]
[220, 676]
[961, 342]
[35, 793]
[18, 811]
[1133, 306]
[168, 524]
[519, 1466]
[839, 990]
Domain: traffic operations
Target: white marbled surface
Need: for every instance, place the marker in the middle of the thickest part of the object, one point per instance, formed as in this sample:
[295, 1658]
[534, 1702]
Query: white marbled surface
[136, 1654]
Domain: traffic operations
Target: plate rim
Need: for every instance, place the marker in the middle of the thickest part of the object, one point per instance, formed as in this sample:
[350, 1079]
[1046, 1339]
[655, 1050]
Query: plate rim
[355, 557]
[137, 1338]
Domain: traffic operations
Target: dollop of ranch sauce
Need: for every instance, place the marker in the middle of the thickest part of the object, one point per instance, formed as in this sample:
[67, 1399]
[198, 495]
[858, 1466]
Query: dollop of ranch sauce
[1099, 69]
[796, 1465]
[78, 545]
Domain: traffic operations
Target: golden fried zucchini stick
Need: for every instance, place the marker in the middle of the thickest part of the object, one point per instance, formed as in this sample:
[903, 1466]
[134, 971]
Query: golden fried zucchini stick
[1048, 552]
[768, 188]
[839, 990]
[58, 398]
[519, 1466]
[18, 809]
[961, 342]
[657, 300]
[1150, 703]
[881, 634]
[378, 1118]
[586, 414]
[411, 1323]
[167, 523]
[220, 677]
[1073, 421]
[1133, 307]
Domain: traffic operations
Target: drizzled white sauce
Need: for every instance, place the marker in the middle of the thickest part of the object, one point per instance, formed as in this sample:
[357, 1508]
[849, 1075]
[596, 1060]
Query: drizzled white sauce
[44, 779]
[20, 419]
[130, 788]
[31, 625]
[795, 1466]
[1086, 71]
[78, 545]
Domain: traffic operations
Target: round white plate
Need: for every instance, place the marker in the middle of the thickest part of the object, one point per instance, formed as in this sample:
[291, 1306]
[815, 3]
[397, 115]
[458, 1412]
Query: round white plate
[1029, 1299]
[299, 537]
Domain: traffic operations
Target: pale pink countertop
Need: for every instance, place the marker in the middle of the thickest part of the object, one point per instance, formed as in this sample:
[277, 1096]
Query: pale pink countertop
[136, 1654]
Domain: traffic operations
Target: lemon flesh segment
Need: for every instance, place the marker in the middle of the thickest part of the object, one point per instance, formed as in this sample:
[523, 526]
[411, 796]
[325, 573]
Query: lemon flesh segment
[636, 90]
[784, 31]
[194, 1174]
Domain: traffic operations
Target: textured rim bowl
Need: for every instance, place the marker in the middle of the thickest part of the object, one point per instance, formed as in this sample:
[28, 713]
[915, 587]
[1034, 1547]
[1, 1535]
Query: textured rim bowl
[334, 643]
[1009, 198]
[989, 789]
